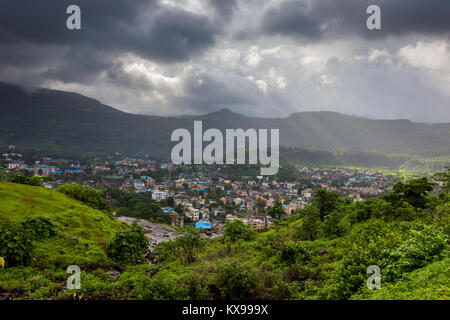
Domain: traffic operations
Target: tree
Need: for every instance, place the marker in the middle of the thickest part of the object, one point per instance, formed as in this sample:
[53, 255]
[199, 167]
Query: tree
[179, 208]
[326, 201]
[277, 210]
[186, 245]
[414, 192]
[238, 230]
[128, 245]
[170, 201]
[310, 225]
[445, 178]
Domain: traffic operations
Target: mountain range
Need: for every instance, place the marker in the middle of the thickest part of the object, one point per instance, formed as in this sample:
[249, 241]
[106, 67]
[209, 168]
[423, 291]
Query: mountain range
[58, 121]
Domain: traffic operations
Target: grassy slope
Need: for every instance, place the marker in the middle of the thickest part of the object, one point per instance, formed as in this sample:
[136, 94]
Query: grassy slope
[91, 228]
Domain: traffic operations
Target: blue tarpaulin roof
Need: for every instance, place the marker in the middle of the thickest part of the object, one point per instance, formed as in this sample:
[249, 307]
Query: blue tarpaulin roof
[203, 225]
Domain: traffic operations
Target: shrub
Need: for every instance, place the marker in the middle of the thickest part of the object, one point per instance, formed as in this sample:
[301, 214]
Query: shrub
[160, 288]
[422, 247]
[331, 226]
[237, 281]
[89, 196]
[309, 227]
[186, 245]
[15, 244]
[291, 252]
[39, 227]
[23, 179]
[371, 208]
[128, 245]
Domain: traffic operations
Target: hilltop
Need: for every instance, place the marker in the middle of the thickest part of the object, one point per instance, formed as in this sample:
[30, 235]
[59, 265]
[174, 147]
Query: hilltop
[83, 232]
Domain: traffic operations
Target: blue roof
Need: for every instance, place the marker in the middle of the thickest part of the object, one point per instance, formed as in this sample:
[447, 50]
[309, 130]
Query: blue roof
[202, 225]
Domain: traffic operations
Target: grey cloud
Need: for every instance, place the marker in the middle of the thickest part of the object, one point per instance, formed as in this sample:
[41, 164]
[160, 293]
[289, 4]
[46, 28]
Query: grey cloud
[292, 19]
[312, 20]
[109, 28]
[224, 8]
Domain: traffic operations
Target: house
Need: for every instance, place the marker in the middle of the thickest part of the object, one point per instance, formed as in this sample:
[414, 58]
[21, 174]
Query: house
[159, 195]
[193, 214]
[177, 220]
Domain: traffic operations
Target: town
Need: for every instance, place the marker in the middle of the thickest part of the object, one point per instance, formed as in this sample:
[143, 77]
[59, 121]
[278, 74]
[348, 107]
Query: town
[206, 196]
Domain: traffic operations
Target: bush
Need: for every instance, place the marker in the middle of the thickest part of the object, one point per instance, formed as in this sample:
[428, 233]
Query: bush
[423, 247]
[371, 208]
[39, 227]
[160, 288]
[23, 179]
[15, 244]
[237, 281]
[89, 196]
[309, 227]
[292, 251]
[238, 230]
[128, 245]
[331, 227]
[186, 245]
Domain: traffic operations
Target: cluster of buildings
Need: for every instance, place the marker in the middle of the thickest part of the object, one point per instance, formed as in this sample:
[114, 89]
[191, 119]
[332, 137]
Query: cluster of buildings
[203, 194]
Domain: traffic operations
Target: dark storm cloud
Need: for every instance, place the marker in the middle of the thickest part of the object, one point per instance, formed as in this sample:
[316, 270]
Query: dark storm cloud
[292, 19]
[176, 34]
[108, 28]
[224, 8]
[339, 18]
[79, 65]
[121, 25]
[204, 93]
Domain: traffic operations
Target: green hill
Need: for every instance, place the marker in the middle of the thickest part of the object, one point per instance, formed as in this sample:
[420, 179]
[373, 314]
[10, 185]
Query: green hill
[83, 232]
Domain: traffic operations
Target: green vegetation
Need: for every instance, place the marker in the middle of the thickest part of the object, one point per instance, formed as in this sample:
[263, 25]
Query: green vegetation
[128, 245]
[23, 179]
[59, 230]
[237, 230]
[320, 252]
[138, 206]
[91, 197]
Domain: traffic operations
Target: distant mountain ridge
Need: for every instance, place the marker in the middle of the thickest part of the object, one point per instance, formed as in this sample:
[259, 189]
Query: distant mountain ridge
[52, 120]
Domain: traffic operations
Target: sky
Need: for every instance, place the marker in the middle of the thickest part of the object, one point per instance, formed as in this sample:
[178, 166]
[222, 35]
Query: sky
[255, 57]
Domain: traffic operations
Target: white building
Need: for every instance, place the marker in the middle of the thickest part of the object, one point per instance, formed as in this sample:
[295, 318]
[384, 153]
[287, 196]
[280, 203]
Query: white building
[159, 195]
